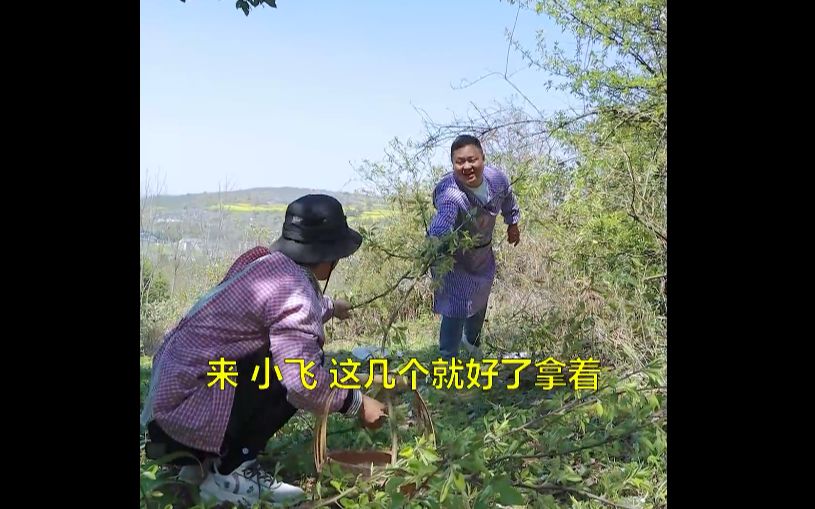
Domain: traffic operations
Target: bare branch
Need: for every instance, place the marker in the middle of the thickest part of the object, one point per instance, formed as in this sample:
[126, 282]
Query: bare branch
[591, 445]
[633, 212]
[468, 84]
[505, 75]
[406, 275]
[540, 114]
[511, 36]
[633, 181]
[375, 245]
[545, 488]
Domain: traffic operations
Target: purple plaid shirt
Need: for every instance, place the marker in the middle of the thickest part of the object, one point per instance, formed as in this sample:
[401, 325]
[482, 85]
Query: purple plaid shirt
[265, 300]
[465, 289]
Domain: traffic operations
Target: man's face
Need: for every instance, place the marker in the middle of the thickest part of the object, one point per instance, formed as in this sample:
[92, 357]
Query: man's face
[468, 165]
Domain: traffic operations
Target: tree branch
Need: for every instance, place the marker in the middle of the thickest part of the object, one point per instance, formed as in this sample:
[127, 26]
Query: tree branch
[386, 292]
[390, 254]
[544, 488]
[573, 404]
[592, 445]
[633, 212]
[401, 304]
[505, 74]
[511, 36]
[612, 36]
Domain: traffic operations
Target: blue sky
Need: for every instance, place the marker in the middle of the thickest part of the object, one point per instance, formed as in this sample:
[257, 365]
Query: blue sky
[295, 96]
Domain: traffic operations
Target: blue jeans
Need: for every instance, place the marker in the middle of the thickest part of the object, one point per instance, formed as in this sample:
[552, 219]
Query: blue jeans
[452, 330]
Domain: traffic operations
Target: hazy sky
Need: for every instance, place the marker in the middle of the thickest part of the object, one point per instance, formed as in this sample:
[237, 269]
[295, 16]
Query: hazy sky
[295, 96]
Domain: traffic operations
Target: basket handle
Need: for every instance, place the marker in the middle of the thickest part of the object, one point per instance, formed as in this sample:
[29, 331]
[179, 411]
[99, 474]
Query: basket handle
[422, 413]
[320, 433]
[392, 423]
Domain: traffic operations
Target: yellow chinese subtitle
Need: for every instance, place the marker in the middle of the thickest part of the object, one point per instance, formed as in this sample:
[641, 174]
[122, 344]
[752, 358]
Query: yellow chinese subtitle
[453, 374]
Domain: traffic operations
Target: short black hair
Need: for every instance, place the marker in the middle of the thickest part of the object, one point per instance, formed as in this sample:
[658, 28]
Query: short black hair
[463, 141]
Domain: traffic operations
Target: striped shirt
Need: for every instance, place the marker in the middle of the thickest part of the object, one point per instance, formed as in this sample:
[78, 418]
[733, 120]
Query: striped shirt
[265, 300]
[465, 289]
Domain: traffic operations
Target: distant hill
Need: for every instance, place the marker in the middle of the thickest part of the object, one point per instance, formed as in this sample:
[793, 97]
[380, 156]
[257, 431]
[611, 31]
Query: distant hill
[257, 198]
[236, 219]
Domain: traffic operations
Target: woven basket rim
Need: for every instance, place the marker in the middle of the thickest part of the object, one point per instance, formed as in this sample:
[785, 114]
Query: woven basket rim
[384, 455]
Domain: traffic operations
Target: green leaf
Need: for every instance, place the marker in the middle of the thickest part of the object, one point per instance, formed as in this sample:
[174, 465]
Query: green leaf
[598, 408]
[507, 493]
[458, 480]
[548, 501]
[429, 456]
[397, 499]
[481, 504]
[653, 401]
[568, 474]
[446, 487]
[513, 447]
[393, 484]
[571, 477]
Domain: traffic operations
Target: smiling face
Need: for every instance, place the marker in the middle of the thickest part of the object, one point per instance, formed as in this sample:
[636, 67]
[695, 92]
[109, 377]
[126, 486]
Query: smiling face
[468, 165]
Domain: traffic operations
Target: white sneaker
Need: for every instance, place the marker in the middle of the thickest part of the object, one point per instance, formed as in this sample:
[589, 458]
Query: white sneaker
[248, 484]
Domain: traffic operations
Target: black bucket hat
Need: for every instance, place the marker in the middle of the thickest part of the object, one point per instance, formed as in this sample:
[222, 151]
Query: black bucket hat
[316, 230]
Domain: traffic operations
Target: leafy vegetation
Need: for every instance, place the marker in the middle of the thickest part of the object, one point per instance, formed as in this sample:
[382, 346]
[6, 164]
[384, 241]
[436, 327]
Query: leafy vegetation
[589, 280]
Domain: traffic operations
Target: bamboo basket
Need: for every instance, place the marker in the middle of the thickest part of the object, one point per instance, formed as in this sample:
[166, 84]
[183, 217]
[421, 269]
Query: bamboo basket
[369, 462]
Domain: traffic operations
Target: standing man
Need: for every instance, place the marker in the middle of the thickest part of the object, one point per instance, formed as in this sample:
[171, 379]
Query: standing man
[469, 199]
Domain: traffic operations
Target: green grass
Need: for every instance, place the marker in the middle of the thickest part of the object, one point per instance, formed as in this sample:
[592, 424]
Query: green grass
[471, 429]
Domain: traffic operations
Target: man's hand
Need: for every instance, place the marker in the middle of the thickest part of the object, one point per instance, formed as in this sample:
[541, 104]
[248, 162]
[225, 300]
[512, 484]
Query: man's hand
[513, 234]
[372, 412]
[342, 309]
